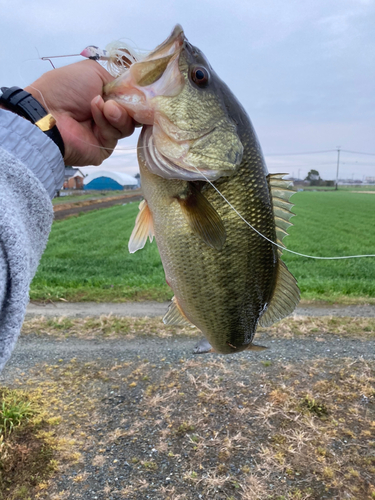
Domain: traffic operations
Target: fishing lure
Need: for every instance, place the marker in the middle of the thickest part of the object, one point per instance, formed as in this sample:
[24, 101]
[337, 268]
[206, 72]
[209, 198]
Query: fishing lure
[117, 56]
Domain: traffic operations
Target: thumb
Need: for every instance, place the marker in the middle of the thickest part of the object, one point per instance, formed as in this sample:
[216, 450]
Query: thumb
[118, 117]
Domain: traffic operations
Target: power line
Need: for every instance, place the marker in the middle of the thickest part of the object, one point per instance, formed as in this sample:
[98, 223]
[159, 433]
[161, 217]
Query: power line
[304, 165]
[366, 164]
[357, 152]
[281, 247]
[319, 152]
[305, 153]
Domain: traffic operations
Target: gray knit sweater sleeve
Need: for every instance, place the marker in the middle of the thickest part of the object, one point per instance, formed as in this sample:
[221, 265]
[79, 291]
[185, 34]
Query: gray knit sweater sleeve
[31, 169]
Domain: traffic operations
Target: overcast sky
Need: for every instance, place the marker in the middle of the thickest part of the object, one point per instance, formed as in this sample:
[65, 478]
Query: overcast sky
[303, 70]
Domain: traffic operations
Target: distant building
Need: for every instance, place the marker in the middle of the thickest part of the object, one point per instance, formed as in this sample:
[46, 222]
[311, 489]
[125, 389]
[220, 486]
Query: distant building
[75, 182]
[73, 178]
[104, 180]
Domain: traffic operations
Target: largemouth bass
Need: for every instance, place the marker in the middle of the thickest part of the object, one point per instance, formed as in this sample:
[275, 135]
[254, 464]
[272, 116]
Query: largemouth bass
[226, 278]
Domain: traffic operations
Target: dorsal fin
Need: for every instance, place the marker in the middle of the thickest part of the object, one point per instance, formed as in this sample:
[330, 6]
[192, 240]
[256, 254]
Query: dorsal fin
[143, 228]
[285, 297]
[281, 192]
[175, 315]
[286, 293]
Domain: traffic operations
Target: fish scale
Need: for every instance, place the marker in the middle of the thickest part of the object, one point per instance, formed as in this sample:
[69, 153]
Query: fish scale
[226, 278]
[225, 291]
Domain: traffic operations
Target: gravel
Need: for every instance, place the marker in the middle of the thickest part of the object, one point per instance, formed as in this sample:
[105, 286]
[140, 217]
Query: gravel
[152, 309]
[108, 466]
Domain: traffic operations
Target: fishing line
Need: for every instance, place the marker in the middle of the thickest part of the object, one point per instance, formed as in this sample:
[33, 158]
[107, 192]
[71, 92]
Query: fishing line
[273, 243]
[130, 148]
[284, 249]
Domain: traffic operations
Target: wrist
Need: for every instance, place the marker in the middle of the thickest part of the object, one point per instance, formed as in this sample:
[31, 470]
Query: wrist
[24, 104]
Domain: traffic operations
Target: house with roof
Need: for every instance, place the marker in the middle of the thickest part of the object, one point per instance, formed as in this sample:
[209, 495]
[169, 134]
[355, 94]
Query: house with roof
[73, 178]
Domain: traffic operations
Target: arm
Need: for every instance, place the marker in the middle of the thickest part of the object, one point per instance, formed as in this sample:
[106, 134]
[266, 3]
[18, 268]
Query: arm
[27, 158]
[32, 169]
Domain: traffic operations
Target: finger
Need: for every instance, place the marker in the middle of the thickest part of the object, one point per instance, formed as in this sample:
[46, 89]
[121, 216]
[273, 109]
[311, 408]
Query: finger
[105, 132]
[118, 117]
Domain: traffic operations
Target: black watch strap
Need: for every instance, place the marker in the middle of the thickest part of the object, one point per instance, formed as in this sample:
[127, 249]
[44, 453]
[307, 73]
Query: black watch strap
[24, 104]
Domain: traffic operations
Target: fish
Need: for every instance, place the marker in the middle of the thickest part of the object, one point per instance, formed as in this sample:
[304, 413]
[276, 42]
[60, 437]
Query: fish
[197, 141]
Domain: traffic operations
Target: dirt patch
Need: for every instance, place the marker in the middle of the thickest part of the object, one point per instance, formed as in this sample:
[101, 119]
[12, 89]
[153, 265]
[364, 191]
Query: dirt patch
[147, 419]
[62, 211]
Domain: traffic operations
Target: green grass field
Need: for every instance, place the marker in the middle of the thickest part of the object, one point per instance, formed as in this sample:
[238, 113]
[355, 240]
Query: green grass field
[87, 257]
[333, 224]
[359, 188]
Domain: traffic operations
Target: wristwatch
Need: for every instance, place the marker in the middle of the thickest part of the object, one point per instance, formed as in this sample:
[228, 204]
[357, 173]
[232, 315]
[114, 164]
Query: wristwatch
[23, 103]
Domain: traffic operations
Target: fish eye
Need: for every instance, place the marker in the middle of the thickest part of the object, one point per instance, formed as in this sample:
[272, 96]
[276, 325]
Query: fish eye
[200, 76]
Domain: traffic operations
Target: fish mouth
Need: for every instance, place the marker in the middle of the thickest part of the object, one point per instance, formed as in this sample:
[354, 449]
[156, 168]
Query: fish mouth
[173, 150]
[160, 164]
[170, 45]
[157, 74]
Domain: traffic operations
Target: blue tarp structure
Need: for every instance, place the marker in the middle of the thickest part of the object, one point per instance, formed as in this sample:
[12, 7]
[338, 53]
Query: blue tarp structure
[106, 180]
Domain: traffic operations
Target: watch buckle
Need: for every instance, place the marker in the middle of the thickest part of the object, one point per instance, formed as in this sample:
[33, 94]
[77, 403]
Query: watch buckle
[46, 123]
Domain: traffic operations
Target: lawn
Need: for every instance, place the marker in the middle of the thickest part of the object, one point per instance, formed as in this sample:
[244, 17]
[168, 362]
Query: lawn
[87, 257]
[346, 187]
[333, 224]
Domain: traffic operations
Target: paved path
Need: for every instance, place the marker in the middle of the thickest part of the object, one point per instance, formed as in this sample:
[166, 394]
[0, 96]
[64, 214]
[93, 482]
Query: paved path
[150, 309]
[31, 350]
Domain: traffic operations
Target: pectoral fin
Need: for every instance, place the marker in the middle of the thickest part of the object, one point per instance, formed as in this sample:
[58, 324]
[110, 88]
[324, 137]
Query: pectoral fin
[203, 219]
[143, 229]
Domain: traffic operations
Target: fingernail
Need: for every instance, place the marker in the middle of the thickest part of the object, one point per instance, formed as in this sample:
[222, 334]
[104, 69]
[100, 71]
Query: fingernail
[115, 112]
[97, 99]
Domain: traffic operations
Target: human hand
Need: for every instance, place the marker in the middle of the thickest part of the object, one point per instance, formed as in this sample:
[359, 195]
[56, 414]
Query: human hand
[90, 127]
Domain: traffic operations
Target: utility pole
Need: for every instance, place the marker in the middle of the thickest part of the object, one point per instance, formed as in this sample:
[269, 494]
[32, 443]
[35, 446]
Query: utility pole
[338, 166]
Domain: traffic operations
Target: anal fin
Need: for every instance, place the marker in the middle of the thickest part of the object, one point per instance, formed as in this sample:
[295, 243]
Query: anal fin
[203, 219]
[143, 228]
